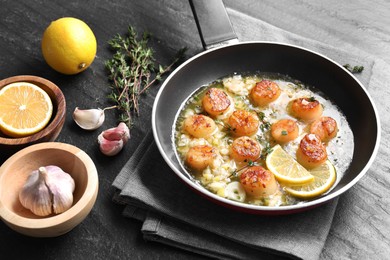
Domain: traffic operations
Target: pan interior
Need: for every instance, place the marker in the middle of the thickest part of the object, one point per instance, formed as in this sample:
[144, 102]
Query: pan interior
[306, 66]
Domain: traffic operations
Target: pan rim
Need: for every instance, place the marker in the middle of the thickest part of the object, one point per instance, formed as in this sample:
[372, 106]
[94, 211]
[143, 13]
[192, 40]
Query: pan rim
[256, 208]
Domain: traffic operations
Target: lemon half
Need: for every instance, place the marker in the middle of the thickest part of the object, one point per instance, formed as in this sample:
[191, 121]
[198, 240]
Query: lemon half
[24, 109]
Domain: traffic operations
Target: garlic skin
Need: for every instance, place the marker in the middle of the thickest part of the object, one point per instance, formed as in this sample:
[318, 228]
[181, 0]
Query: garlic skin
[109, 147]
[89, 119]
[117, 133]
[47, 190]
[111, 141]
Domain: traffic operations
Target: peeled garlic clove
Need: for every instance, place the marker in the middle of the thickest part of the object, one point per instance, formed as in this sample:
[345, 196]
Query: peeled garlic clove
[117, 133]
[89, 119]
[47, 190]
[109, 147]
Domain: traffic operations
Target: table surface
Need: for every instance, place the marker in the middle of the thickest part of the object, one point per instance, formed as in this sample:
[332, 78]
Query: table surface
[105, 233]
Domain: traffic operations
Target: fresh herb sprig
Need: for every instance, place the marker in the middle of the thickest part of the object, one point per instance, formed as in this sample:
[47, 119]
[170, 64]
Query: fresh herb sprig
[354, 69]
[132, 71]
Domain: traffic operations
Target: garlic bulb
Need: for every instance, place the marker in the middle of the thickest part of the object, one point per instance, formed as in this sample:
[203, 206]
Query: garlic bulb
[47, 190]
[111, 141]
[89, 119]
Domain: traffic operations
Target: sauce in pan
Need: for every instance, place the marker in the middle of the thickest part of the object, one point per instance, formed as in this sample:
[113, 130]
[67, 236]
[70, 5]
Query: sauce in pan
[226, 131]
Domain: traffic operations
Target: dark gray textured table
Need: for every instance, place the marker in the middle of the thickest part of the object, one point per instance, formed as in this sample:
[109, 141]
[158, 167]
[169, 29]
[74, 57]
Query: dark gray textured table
[105, 234]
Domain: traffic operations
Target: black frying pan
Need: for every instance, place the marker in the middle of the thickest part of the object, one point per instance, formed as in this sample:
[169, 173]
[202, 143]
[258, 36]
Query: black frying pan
[299, 63]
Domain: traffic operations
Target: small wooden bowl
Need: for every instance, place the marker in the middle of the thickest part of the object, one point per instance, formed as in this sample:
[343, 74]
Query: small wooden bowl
[11, 145]
[14, 173]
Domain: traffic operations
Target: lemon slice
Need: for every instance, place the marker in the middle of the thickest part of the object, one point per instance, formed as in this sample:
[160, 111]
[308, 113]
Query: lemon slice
[324, 178]
[285, 168]
[24, 109]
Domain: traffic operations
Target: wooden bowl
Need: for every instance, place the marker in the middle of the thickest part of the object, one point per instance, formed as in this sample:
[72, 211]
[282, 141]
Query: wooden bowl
[14, 173]
[10, 145]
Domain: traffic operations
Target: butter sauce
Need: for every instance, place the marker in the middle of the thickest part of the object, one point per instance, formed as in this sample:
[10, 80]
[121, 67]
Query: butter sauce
[217, 176]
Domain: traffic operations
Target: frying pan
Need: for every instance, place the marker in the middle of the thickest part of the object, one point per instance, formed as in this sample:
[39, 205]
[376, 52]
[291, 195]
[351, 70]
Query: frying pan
[299, 63]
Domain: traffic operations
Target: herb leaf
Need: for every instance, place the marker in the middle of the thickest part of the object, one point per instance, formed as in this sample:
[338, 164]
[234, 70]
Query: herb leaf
[354, 69]
[132, 70]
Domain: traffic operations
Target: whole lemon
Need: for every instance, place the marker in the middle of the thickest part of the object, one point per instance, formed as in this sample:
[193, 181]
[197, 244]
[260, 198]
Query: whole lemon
[69, 45]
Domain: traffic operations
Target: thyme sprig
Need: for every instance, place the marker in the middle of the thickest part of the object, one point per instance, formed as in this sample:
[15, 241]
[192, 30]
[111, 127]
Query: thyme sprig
[250, 163]
[266, 150]
[354, 69]
[132, 70]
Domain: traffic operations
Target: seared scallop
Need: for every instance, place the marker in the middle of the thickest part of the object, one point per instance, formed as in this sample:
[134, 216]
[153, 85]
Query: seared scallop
[200, 156]
[306, 109]
[245, 149]
[259, 182]
[243, 122]
[265, 92]
[215, 102]
[325, 128]
[284, 130]
[199, 126]
[311, 152]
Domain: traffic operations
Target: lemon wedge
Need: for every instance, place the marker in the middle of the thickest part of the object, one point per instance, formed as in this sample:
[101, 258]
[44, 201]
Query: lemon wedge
[286, 169]
[324, 178]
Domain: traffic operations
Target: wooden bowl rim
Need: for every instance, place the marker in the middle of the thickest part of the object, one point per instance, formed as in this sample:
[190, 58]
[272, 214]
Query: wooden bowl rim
[88, 197]
[54, 123]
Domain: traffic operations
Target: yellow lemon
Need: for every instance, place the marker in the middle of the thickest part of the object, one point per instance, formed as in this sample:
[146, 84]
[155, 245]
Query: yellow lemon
[285, 168]
[69, 45]
[324, 178]
[24, 109]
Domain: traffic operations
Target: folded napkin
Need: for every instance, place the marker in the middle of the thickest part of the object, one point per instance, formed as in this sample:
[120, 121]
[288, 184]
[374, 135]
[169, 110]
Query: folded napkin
[173, 214]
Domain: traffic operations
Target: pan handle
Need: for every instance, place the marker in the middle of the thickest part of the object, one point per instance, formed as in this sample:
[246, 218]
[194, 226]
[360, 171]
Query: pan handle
[213, 23]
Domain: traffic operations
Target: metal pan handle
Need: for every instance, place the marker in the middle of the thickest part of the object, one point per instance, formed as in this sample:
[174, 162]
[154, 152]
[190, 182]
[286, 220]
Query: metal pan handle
[213, 23]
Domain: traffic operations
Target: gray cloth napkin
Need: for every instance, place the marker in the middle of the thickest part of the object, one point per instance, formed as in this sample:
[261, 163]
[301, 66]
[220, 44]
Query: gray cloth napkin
[173, 214]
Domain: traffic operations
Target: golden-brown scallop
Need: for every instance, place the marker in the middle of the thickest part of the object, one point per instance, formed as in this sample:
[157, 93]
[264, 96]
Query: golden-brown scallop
[242, 122]
[306, 109]
[325, 128]
[284, 130]
[245, 149]
[265, 92]
[200, 156]
[215, 102]
[311, 152]
[259, 182]
[199, 126]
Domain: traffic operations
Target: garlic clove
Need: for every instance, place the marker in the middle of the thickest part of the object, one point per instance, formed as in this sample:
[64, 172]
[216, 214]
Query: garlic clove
[35, 195]
[89, 119]
[47, 190]
[109, 147]
[61, 186]
[118, 133]
[111, 141]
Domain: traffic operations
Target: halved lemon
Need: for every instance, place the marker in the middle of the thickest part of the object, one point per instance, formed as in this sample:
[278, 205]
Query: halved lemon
[25, 109]
[324, 178]
[285, 168]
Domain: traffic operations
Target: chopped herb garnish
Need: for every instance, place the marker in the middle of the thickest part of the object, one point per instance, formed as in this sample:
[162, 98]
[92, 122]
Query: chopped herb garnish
[261, 116]
[265, 126]
[267, 149]
[284, 132]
